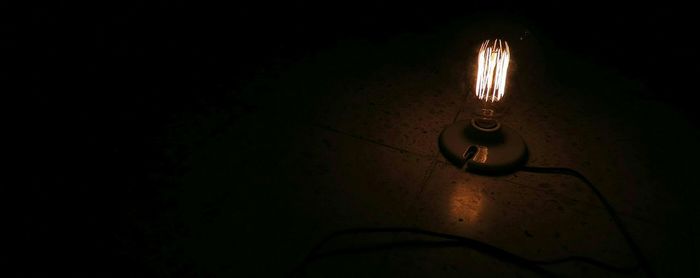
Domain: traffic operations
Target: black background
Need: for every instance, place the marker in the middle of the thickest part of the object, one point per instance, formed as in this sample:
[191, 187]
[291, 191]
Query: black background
[99, 85]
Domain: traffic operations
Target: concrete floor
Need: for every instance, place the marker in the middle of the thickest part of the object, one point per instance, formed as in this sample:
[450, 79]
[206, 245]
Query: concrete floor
[350, 140]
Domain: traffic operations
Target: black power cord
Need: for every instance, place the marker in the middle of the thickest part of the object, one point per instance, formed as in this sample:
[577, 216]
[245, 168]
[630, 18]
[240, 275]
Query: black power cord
[501, 254]
[450, 241]
[611, 211]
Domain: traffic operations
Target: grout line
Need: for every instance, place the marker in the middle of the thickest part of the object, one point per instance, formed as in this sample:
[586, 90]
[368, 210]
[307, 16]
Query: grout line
[434, 163]
[461, 108]
[328, 128]
[427, 177]
[423, 182]
[434, 156]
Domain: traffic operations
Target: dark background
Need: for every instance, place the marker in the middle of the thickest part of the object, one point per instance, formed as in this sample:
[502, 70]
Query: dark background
[101, 85]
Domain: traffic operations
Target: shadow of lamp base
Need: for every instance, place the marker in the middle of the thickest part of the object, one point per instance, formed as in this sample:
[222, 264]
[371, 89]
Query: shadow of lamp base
[496, 150]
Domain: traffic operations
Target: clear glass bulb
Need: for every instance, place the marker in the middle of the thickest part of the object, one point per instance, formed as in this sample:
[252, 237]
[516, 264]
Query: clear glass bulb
[490, 88]
[482, 144]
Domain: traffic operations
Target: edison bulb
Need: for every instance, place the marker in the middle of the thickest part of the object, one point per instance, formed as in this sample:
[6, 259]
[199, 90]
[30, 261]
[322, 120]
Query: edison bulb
[490, 87]
[483, 144]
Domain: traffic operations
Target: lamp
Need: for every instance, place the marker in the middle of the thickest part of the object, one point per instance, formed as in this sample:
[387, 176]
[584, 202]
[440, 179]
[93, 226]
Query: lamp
[483, 144]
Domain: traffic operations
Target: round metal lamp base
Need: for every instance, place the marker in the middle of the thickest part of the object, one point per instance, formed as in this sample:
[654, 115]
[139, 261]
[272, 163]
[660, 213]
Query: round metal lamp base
[494, 151]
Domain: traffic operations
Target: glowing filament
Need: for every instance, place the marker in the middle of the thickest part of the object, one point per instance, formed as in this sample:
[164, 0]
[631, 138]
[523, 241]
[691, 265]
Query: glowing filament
[493, 67]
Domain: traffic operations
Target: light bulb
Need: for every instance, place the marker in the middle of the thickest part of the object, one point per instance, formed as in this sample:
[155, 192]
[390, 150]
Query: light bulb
[483, 144]
[490, 87]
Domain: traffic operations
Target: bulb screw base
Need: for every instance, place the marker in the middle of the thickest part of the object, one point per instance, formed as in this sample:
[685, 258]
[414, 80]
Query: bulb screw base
[486, 125]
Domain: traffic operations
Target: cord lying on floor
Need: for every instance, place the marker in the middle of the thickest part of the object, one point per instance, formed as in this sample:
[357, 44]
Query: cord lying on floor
[611, 211]
[484, 248]
[451, 241]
